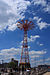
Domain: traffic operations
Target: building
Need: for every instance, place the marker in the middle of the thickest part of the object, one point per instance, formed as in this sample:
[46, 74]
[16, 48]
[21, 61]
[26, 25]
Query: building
[12, 64]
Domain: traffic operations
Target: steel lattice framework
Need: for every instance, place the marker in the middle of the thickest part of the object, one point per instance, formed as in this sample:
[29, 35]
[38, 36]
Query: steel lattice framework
[25, 25]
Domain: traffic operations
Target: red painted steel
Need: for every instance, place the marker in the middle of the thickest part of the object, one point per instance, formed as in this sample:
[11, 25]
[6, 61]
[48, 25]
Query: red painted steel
[25, 25]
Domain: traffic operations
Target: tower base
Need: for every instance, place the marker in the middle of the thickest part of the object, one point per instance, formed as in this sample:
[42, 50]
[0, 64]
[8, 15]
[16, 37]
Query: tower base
[24, 66]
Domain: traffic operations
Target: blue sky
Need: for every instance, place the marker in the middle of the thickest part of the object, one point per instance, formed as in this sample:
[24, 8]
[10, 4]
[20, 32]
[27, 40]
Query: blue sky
[12, 11]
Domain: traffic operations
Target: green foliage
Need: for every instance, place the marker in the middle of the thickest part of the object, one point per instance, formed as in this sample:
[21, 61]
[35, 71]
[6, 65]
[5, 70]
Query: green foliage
[12, 65]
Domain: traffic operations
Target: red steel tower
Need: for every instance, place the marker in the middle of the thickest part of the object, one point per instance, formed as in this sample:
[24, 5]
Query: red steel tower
[25, 25]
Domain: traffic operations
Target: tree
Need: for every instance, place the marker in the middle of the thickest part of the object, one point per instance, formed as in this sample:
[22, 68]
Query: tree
[12, 65]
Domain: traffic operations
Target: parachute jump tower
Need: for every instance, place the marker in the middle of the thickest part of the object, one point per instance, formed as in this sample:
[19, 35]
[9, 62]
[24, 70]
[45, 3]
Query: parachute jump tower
[25, 26]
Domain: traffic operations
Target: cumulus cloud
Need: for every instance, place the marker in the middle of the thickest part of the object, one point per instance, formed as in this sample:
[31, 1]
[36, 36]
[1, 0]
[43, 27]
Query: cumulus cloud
[48, 59]
[35, 56]
[10, 12]
[45, 6]
[39, 2]
[7, 54]
[40, 23]
[14, 10]
[39, 62]
[12, 27]
[33, 38]
[40, 44]
[38, 52]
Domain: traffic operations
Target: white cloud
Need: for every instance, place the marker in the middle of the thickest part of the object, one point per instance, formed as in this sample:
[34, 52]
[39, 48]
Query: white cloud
[48, 59]
[43, 25]
[37, 18]
[10, 12]
[12, 27]
[47, 9]
[40, 23]
[43, 3]
[7, 54]
[40, 44]
[40, 62]
[37, 52]
[35, 56]
[33, 38]
[14, 10]
[39, 2]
